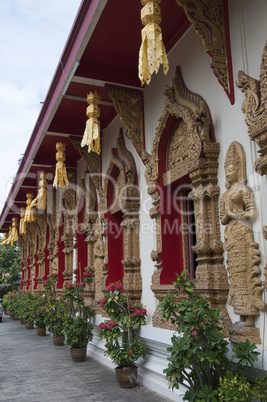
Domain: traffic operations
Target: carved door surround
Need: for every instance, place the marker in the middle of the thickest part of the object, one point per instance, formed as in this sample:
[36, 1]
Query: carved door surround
[195, 155]
[31, 239]
[86, 217]
[121, 197]
[41, 233]
[255, 109]
[24, 247]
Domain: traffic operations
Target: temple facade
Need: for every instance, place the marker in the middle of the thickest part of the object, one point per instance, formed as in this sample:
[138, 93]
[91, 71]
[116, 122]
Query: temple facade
[142, 165]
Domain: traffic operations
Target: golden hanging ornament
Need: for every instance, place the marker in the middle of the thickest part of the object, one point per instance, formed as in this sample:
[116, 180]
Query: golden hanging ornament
[5, 239]
[91, 136]
[13, 236]
[152, 52]
[22, 223]
[61, 177]
[29, 212]
[40, 200]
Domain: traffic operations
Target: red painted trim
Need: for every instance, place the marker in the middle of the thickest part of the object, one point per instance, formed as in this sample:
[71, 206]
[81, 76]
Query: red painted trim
[84, 18]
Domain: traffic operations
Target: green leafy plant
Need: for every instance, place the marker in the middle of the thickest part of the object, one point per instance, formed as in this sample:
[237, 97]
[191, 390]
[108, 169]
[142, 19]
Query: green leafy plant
[78, 327]
[234, 387]
[55, 308]
[259, 390]
[40, 314]
[198, 355]
[123, 345]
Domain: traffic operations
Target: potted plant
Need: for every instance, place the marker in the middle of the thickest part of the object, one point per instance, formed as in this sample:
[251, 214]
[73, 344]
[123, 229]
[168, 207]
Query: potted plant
[78, 327]
[198, 355]
[56, 310]
[40, 315]
[25, 308]
[6, 303]
[123, 344]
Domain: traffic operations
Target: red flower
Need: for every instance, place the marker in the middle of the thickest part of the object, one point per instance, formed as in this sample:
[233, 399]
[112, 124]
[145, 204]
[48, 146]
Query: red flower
[131, 352]
[103, 302]
[111, 287]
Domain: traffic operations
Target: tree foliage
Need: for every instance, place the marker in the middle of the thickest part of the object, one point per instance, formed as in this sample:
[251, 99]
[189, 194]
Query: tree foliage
[10, 268]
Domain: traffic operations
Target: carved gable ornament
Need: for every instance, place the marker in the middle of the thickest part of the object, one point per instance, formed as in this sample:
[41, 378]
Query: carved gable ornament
[255, 109]
[210, 21]
[129, 106]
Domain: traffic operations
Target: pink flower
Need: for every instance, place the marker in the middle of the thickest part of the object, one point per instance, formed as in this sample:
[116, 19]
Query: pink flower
[103, 302]
[201, 324]
[195, 310]
[131, 352]
[194, 333]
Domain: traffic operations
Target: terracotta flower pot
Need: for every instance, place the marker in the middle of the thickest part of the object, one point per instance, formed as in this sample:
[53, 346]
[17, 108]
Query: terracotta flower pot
[29, 325]
[41, 331]
[22, 321]
[15, 318]
[126, 376]
[58, 340]
[78, 354]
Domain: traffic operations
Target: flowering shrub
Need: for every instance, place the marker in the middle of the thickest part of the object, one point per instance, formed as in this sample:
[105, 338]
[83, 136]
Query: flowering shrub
[123, 345]
[78, 327]
[198, 355]
[55, 308]
[40, 314]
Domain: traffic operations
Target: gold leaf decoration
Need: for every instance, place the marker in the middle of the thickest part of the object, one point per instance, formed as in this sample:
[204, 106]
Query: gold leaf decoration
[29, 213]
[91, 135]
[22, 223]
[40, 200]
[61, 177]
[152, 52]
[13, 232]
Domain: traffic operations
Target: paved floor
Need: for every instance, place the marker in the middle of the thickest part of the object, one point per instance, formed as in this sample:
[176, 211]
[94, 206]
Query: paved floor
[32, 369]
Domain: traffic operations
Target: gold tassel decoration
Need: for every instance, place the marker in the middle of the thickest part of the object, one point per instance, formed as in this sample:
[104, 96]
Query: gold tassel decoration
[13, 232]
[4, 241]
[22, 223]
[91, 136]
[29, 213]
[61, 177]
[40, 200]
[152, 52]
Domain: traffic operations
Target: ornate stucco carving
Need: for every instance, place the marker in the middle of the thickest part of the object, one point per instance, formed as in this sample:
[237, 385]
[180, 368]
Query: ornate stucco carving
[195, 156]
[127, 200]
[99, 266]
[237, 208]
[129, 105]
[255, 109]
[210, 21]
[70, 210]
[41, 231]
[92, 160]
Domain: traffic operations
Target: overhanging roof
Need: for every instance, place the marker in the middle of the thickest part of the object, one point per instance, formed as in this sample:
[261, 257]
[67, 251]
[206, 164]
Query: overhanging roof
[102, 48]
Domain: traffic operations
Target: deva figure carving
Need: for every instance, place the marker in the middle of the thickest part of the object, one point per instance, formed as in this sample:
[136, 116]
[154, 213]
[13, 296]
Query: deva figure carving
[237, 208]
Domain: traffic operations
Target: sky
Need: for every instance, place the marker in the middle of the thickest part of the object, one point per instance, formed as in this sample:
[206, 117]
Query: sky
[33, 34]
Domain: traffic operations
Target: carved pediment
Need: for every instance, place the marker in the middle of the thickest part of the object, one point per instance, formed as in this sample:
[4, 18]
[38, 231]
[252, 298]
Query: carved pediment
[190, 133]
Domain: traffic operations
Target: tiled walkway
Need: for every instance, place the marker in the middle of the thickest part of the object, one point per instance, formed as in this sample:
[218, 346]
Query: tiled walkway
[32, 369]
